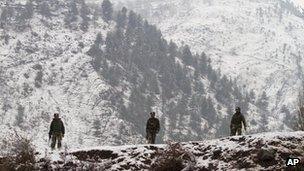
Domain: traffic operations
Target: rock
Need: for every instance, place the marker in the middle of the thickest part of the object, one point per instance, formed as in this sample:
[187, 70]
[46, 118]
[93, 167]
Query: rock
[266, 155]
[217, 154]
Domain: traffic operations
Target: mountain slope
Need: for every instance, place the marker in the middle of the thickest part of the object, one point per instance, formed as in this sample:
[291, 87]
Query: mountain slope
[258, 42]
[104, 74]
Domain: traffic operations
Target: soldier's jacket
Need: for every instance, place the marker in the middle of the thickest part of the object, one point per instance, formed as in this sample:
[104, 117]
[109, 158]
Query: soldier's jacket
[152, 125]
[237, 120]
[57, 127]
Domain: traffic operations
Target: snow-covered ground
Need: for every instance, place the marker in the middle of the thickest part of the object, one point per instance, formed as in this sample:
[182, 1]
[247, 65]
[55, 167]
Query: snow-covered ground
[266, 151]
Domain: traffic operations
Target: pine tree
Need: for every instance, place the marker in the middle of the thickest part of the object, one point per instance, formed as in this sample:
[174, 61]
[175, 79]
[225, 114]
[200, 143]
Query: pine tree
[263, 101]
[107, 10]
[96, 16]
[172, 50]
[96, 53]
[6, 16]
[187, 55]
[97, 128]
[84, 12]
[72, 14]
[252, 95]
[29, 9]
[299, 125]
[45, 10]
[20, 116]
[224, 127]
[122, 18]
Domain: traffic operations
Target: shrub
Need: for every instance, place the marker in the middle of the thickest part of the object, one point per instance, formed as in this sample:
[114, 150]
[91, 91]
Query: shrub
[174, 157]
[20, 153]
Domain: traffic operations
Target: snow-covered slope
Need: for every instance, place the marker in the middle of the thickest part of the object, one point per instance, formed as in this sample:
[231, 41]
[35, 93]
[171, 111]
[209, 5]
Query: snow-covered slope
[45, 70]
[258, 42]
[268, 151]
[104, 85]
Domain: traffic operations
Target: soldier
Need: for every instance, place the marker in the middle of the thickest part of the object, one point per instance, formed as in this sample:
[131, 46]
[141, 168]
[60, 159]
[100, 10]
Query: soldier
[56, 131]
[236, 123]
[152, 128]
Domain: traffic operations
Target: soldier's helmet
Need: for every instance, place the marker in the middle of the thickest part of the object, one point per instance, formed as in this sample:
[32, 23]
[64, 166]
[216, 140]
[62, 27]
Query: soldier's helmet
[56, 115]
[238, 109]
[152, 114]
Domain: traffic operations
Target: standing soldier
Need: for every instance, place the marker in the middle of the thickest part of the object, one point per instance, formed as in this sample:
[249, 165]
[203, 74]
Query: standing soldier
[236, 123]
[152, 128]
[56, 131]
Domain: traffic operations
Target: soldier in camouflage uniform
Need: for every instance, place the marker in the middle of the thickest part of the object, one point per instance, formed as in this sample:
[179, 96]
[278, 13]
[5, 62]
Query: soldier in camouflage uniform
[152, 128]
[56, 131]
[236, 123]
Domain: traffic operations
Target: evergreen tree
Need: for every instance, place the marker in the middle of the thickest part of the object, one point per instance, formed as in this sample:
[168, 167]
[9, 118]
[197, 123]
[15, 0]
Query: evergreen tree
[97, 128]
[263, 101]
[96, 16]
[99, 40]
[84, 12]
[252, 95]
[224, 127]
[139, 108]
[299, 119]
[122, 18]
[172, 50]
[6, 16]
[20, 20]
[132, 22]
[187, 56]
[19, 116]
[107, 10]
[29, 9]
[44, 9]
[96, 53]
[72, 14]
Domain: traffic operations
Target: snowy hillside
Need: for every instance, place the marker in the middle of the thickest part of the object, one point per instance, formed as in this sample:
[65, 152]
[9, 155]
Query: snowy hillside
[258, 42]
[45, 70]
[267, 151]
[104, 74]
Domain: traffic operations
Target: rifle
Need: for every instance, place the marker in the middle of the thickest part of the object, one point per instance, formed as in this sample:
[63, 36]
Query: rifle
[50, 136]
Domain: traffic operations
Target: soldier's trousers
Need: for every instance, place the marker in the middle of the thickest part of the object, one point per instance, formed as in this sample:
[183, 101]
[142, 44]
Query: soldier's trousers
[235, 130]
[56, 137]
[151, 138]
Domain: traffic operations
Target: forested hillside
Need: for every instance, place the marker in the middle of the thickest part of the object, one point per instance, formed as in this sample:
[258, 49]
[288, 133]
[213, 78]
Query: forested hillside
[104, 71]
[259, 43]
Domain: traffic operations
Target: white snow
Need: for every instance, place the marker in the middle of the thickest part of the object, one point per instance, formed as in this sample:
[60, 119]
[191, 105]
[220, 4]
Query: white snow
[260, 43]
[230, 153]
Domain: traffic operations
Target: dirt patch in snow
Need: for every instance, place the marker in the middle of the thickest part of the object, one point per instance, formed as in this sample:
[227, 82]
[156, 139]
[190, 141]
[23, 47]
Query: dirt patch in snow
[95, 155]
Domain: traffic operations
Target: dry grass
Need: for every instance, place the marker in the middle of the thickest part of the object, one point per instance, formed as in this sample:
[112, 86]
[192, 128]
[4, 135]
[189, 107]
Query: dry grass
[174, 157]
[19, 154]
